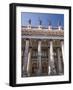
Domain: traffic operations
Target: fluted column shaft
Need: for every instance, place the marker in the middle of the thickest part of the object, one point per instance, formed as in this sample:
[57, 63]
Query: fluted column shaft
[26, 57]
[62, 48]
[52, 66]
[59, 62]
[29, 63]
[39, 57]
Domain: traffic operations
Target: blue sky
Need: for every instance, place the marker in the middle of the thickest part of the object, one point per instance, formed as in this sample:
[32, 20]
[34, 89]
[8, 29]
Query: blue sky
[44, 17]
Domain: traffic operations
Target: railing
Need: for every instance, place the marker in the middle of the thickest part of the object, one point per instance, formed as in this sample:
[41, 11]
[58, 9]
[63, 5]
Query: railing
[42, 27]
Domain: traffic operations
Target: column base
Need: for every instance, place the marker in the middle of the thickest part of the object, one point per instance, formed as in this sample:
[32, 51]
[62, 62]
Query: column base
[24, 74]
[60, 74]
[53, 72]
[39, 73]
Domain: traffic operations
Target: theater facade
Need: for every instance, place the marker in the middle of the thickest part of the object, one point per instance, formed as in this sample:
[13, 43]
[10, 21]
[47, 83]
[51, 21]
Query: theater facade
[42, 51]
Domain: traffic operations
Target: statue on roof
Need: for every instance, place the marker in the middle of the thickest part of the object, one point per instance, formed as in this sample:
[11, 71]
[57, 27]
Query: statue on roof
[40, 22]
[29, 21]
[49, 22]
[59, 23]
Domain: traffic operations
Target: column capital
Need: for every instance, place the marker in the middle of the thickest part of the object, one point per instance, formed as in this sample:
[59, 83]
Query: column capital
[27, 39]
[61, 40]
[58, 48]
[30, 47]
[51, 40]
[39, 40]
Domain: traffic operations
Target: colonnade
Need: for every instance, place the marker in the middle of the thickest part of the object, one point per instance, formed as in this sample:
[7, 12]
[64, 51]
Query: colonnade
[51, 66]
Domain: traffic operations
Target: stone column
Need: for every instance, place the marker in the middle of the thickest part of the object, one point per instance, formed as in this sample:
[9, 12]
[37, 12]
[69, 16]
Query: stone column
[59, 61]
[49, 71]
[29, 63]
[62, 48]
[39, 57]
[25, 58]
[52, 66]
